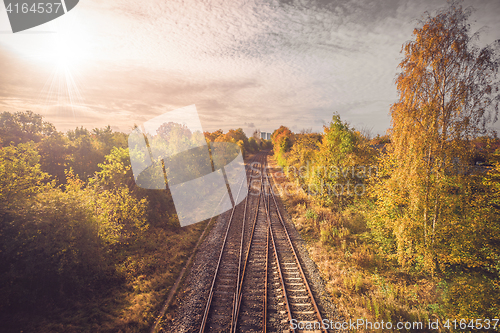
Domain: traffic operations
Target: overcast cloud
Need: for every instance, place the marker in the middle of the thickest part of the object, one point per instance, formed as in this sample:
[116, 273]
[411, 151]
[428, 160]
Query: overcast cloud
[249, 64]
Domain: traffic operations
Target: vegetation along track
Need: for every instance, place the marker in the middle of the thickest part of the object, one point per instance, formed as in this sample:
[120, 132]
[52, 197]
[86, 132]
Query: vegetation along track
[259, 284]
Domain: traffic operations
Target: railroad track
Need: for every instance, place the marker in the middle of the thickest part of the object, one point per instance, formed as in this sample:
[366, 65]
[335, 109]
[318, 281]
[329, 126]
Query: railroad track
[259, 284]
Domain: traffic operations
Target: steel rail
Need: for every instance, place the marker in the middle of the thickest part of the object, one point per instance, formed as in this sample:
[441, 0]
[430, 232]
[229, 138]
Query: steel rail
[264, 311]
[210, 295]
[266, 192]
[318, 313]
[270, 230]
[240, 291]
[264, 314]
[235, 297]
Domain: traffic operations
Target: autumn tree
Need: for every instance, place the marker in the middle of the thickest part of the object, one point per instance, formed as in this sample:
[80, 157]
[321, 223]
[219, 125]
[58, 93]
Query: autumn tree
[237, 135]
[282, 142]
[253, 144]
[343, 163]
[119, 213]
[86, 149]
[21, 176]
[448, 94]
[23, 127]
[300, 159]
[211, 136]
[54, 155]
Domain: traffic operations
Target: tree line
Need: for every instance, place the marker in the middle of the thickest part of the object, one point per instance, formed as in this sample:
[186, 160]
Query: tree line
[71, 212]
[431, 206]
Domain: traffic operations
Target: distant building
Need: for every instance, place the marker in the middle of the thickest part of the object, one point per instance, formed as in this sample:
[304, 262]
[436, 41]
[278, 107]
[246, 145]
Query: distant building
[265, 136]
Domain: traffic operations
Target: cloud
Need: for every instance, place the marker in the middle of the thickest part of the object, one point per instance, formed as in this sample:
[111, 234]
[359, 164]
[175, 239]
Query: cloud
[265, 63]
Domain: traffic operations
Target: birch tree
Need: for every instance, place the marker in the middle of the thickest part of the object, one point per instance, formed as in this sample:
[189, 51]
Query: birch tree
[448, 95]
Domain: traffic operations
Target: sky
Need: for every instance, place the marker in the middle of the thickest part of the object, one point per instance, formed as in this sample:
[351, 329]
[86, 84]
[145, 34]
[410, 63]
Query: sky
[254, 64]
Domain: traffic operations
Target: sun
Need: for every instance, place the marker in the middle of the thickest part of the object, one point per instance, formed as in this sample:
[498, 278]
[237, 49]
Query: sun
[63, 50]
[67, 56]
[67, 51]
[64, 55]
